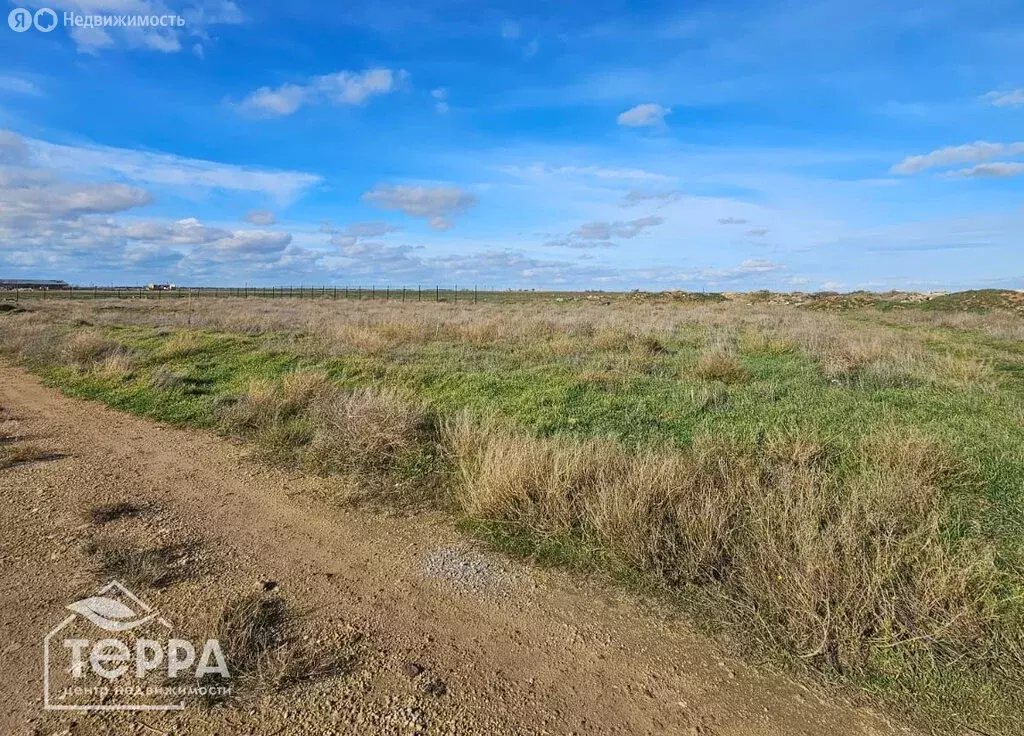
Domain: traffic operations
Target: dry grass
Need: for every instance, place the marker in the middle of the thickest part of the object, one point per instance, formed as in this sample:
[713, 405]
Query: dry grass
[837, 560]
[963, 372]
[367, 431]
[382, 442]
[717, 364]
[19, 454]
[142, 567]
[266, 651]
[88, 348]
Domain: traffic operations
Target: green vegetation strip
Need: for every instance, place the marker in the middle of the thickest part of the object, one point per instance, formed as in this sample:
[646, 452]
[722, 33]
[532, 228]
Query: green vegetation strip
[660, 401]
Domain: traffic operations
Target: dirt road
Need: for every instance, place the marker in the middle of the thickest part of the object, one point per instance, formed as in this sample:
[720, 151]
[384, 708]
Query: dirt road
[450, 639]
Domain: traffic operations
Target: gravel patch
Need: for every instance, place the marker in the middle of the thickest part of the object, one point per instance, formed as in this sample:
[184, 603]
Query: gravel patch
[468, 571]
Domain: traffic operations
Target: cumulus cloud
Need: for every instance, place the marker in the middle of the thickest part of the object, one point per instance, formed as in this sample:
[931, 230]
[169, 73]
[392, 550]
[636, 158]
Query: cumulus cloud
[440, 205]
[1011, 98]
[732, 221]
[600, 234]
[46, 219]
[35, 196]
[647, 115]
[758, 232]
[951, 155]
[189, 231]
[261, 218]
[338, 88]
[357, 231]
[995, 170]
[636, 196]
[248, 244]
[608, 230]
[162, 169]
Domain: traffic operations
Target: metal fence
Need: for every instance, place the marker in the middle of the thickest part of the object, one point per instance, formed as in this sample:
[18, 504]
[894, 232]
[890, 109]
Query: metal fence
[383, 293]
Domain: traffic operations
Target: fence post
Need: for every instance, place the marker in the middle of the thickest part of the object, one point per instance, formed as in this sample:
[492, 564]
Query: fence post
[437, 293]
[403, 295]
[456, 293]
[474, 293]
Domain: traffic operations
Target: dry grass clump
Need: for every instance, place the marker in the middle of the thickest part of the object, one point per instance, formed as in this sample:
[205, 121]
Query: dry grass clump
[366, 430]
[384, 443]
[837, 557]
[962, 371]
[143, 567]
[266, 651]
[268, 403]
[274, 414]
[717, 364]
[180, 345]
[18, 454]
[88, 348]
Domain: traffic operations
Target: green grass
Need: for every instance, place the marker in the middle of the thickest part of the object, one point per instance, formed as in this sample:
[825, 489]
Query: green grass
[785, 393]
[641, 396]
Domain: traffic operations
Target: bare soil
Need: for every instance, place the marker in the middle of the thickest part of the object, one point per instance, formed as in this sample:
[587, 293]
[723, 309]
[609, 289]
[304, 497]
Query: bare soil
[450, 638]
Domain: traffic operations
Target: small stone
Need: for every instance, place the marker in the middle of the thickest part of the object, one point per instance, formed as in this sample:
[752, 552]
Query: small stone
[412, 669]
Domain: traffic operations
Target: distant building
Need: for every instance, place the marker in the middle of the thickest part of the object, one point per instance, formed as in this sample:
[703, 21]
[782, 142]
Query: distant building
[160, 287]
[39, 284]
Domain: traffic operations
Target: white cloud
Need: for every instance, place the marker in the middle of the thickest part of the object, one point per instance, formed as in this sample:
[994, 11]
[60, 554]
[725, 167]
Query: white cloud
[732, 221]
[13, 149]
[34, 195]
[608, 230]
[198, 19]
[1011, 98]
[540, 171]
[440, 96]
[995, 170]
[189, 231]
[758, 232]
[261, 218]
[19, 86]
[267, 102]
[952, 155]
[746, 268]
[636, 196]
[338, 88]
[644, 116]
[440, 205]
[164, 169]
[357, 231]
[600, 234]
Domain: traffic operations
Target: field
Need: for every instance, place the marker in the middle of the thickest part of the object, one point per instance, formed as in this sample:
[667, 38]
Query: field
[834, 484]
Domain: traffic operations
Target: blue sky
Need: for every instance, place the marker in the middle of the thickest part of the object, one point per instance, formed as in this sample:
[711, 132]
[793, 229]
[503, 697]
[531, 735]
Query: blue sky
[722, 145]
